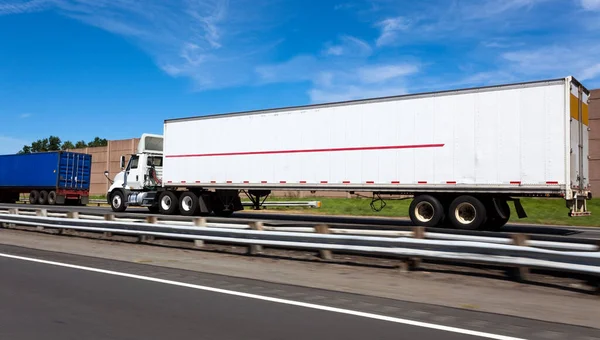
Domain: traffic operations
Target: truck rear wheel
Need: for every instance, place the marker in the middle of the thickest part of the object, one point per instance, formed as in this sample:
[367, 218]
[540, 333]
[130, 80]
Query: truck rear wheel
[426, 211]
[168, 204]
[34, 196]
[188, 204]
[52, 197]
[43, 198]
[117, 201]
[467, 212]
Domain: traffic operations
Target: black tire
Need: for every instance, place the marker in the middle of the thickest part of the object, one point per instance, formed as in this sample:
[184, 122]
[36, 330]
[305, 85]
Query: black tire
[188, 204]
[34, 196]
[426, 211]
[117, 201]
[52, 197]
[467, 212]
[168, 204]
[43, 198]
[495, 221]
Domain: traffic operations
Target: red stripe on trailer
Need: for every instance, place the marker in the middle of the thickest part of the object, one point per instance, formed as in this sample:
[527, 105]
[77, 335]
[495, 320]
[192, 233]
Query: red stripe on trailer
[246, 182]
[450, 182]
[362, 148]
[370, 182]
[346, 182]
[213, 182]
[183, 182]
[323, 182]
[422, 182]
[302, 182]
[169, 181]
[552, 182]
[198, 182]
[515, 182]
[282, 182]
[395, 182]
[263, 182]
[229, 182]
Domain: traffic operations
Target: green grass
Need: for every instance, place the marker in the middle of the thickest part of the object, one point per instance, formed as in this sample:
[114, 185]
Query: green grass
[539, 211]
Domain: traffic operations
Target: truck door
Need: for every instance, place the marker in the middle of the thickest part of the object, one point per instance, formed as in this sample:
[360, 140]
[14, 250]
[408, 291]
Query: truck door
[133, 174]
[579, 121]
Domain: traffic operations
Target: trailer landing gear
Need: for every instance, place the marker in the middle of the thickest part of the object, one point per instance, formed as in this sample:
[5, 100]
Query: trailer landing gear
[255, 197]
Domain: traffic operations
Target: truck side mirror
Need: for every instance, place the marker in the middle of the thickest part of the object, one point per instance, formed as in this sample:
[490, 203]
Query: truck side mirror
[122, 163]
[106, 174]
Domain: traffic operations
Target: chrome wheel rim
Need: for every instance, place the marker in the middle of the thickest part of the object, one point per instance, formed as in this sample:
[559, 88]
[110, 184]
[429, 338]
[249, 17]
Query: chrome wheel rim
[424, 211]
[465, 213]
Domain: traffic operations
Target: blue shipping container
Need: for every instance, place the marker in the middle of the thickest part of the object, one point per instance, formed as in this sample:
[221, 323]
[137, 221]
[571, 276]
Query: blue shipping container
[58, 171]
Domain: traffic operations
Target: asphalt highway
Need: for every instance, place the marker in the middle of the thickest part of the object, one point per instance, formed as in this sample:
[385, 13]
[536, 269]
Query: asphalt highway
[47, 295]
[294, 220]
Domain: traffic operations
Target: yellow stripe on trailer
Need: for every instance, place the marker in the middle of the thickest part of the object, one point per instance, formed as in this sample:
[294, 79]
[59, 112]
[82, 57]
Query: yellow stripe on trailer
[575, 110]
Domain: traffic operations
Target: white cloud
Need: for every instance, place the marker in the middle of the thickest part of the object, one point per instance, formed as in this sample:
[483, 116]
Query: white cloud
[213, 42]
[590, 5]
[577, 59]
[11, 7]
[349, 46]
[390, 30]
[10, 145]
[24, 115]
[381, 73]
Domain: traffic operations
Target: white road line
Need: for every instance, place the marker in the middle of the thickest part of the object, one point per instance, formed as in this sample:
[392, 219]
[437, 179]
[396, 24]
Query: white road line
[272, 299]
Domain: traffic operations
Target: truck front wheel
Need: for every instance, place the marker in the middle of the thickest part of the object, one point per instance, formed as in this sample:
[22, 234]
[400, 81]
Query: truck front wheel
[168, 204]
[117, 201]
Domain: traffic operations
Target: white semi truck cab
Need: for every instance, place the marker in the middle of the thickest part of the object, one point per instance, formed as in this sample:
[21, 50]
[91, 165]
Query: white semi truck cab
[139, 183]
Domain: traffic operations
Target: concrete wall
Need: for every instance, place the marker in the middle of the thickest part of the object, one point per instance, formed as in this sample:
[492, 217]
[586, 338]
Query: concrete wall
[595, 142]
[107, 158]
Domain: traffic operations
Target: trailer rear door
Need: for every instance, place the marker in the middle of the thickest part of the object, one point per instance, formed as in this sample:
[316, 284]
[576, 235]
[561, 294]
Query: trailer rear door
[579, 110]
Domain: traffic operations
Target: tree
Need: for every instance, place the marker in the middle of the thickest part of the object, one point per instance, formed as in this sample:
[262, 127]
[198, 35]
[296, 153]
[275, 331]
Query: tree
[67, 145]
[54, 143]
[98, 142]
[80, 145]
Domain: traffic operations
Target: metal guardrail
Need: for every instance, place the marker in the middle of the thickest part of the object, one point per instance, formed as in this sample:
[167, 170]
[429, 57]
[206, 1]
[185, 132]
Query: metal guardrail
[283, 204]
[417, 244]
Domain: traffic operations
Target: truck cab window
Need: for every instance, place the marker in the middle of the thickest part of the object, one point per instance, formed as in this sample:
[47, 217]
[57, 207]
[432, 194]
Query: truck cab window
[133, 162]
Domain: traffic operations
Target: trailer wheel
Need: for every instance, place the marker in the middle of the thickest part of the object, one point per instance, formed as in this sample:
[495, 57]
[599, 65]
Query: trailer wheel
[43, 198]
[52, 197]
[426, 211]
[117, 201]
[188, 204]
[168, 204]
[467, 212]
[34, 196]
[497, 219]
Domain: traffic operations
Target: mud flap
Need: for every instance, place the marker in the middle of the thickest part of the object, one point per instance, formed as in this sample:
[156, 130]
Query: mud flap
[519, 208]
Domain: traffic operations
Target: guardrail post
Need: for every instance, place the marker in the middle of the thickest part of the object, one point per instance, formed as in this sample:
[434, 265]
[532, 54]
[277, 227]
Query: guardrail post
[13, 211]
[413, 263]
[324, 254]
[255, 248]
[41, 213]
[108, 217]
[73, 214]
[521, 273]
[148, 238]
[201, 223]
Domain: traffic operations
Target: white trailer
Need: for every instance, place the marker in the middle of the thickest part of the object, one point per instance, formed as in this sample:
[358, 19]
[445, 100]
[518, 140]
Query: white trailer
[462, 154]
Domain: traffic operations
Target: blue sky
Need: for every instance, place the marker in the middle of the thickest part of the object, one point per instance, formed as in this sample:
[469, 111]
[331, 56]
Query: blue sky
[118, 68]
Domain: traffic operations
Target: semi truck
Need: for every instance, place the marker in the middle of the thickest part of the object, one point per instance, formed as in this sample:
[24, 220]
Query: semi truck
[48, 177]
[461, 155]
